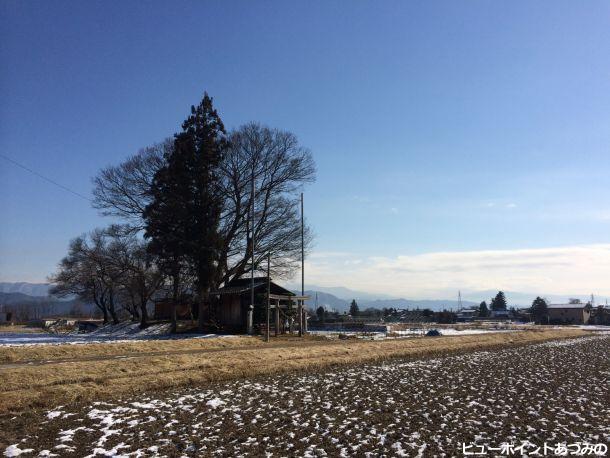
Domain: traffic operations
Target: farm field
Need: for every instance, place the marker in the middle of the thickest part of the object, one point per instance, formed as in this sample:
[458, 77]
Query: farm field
[43, 376]
[550, 392]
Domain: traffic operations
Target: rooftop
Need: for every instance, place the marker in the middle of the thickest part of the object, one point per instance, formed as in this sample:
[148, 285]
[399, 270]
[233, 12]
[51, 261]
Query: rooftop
[241, 285]
[567, 306]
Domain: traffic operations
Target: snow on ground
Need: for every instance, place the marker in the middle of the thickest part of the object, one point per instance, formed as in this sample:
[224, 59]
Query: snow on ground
[14, 450]
[552, 392]
[122, 332]
[414, 332]
[592, 327]
[451, 331]
[128, 331]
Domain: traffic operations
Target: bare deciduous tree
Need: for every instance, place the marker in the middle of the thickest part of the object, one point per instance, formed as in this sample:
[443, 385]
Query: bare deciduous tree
[77, 274]
[280, 167]
[140, 277]
[124, 190]
[111, 268]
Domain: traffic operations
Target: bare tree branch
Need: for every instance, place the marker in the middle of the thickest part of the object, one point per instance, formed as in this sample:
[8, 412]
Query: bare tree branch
[281, 168]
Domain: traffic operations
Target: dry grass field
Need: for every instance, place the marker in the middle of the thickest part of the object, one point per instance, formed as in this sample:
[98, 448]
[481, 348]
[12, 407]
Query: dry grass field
[30, 353]
[46, 376]
[19, 328]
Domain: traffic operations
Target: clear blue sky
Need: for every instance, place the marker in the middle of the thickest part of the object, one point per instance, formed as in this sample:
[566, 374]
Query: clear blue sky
[457, 126]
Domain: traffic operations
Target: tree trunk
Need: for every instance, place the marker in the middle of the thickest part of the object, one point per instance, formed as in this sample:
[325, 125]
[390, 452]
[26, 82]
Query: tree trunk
[115, 318]
[143, 315]
[111, 309]
[201, 317]
[102, 306]
[176, 289]
[135, 313]
[133, 309]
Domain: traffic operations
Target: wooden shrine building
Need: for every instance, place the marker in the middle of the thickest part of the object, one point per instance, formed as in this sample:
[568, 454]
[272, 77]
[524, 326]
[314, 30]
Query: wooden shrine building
[286, 311]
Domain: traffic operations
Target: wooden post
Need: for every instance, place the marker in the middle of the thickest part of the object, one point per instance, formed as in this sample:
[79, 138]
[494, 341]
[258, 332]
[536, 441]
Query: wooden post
[300, 312]
[304, 321]
[302, 249]
[277, 317]
[290, 319]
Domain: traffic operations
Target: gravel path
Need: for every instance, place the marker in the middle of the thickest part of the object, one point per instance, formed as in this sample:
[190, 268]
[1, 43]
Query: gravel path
[546, 393]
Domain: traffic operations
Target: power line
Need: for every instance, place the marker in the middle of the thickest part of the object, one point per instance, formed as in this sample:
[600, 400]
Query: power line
[39, 175]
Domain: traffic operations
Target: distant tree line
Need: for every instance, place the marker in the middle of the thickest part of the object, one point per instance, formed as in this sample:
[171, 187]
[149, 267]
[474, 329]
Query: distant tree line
[26, 309]
[497, 303]
[388, 314]
[538, 312]
[185, 209]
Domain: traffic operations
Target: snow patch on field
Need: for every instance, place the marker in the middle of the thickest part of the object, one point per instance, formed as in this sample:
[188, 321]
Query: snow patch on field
[452, 331]
[14, 450]
[414, 332]
[215, 403]
[119, 333]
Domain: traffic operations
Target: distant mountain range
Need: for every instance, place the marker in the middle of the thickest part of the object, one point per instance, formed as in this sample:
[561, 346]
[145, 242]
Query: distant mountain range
[30, 289]
[337, 298]
[35, 297]
[39, 306]
[330, 301]
[344, 295]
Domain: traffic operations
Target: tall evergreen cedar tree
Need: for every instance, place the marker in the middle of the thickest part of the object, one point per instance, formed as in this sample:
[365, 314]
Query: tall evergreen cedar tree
[182, 220]
[483, 309]
[499, 302]
[320, 313]
[539, 310]
[354, 310]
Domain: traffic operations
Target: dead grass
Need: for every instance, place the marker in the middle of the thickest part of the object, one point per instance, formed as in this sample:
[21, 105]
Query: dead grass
[67, 351]
[19, 328]
[136, 370]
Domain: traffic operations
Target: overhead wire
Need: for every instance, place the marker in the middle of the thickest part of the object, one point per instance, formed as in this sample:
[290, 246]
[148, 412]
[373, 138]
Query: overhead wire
[40, 175]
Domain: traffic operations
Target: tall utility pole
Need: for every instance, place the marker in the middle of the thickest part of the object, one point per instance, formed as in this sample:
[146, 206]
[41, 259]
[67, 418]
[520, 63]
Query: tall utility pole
[268, 294]
[302, 301]
[250, 324]
[302, 249]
